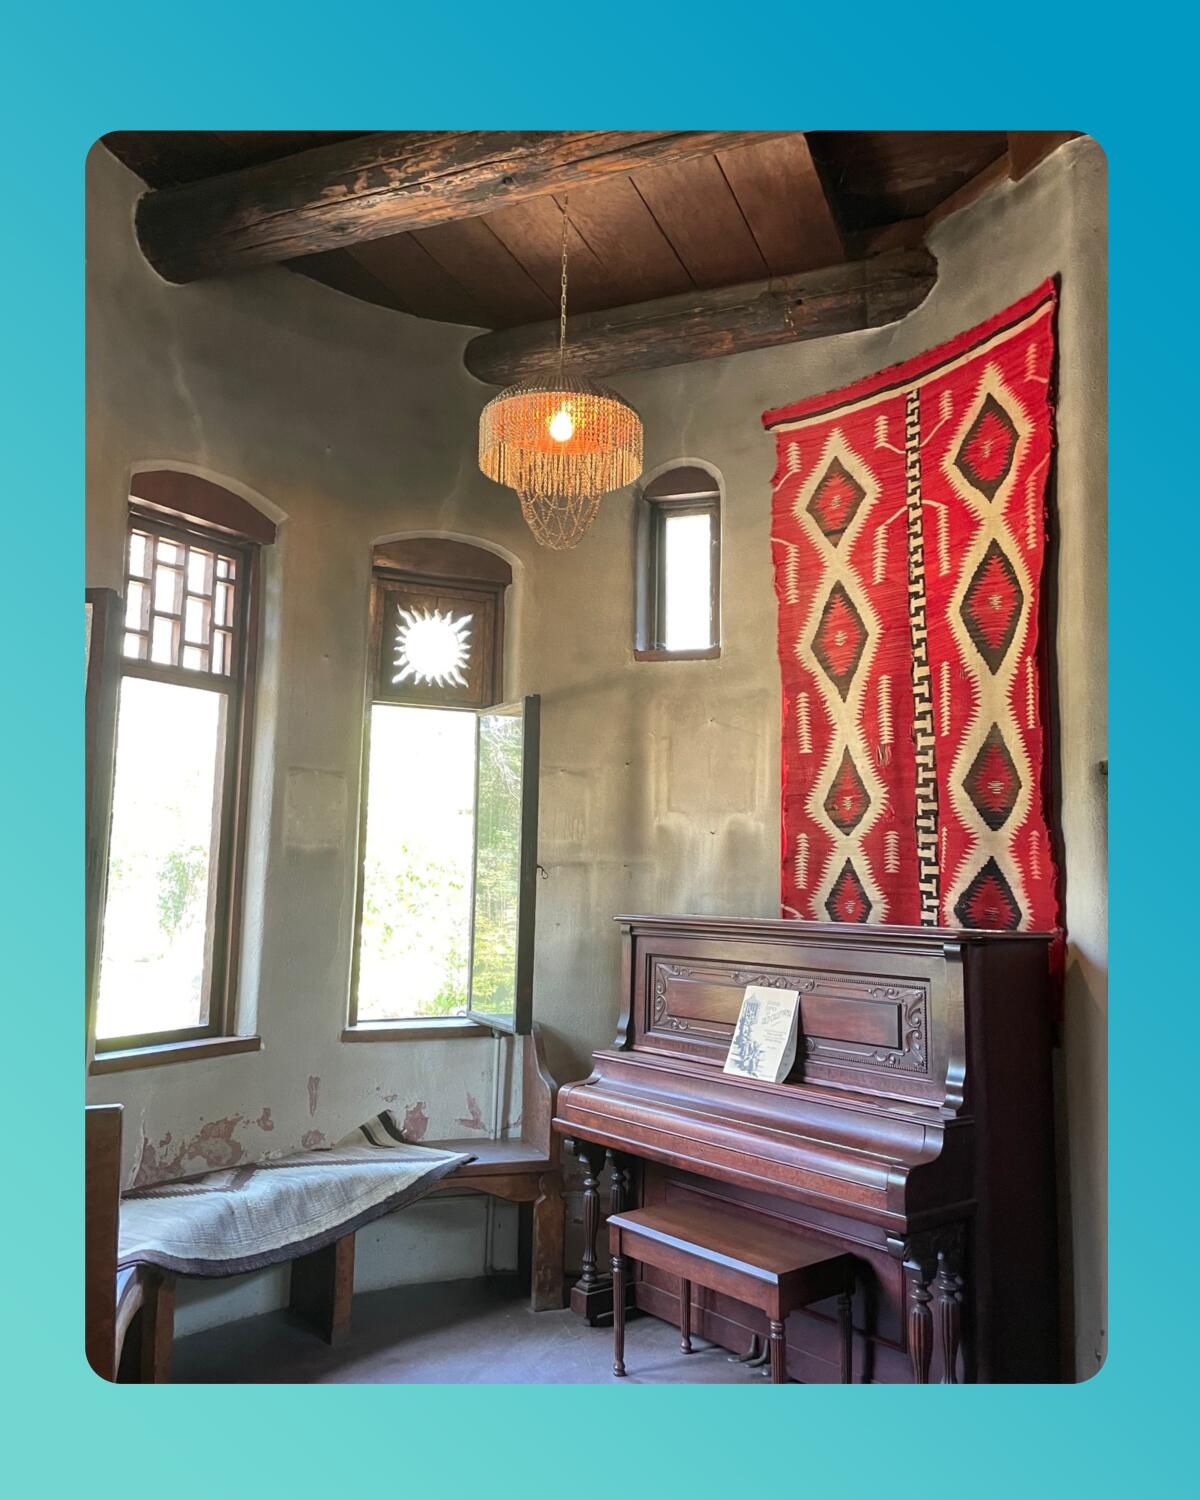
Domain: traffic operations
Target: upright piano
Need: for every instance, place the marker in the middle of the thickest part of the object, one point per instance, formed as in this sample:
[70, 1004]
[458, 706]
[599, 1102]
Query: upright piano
[914, 1131]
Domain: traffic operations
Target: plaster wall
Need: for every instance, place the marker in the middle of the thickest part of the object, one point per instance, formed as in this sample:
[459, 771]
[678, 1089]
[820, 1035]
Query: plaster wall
[347, 425]
[659, 780]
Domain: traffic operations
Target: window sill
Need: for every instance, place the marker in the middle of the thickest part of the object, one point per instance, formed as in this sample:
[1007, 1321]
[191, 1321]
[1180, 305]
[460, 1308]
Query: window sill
[420, 1030]
[703, 653]
[159, 1054]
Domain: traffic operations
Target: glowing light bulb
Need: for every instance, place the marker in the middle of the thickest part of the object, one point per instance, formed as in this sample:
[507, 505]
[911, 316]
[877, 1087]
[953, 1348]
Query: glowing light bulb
[561, 425]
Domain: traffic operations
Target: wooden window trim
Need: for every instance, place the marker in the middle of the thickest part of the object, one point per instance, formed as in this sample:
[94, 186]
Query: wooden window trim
[156, 1054]
[417, 1029]
[656, 510]
[437, 557]
[217, 1036]
[173, 496]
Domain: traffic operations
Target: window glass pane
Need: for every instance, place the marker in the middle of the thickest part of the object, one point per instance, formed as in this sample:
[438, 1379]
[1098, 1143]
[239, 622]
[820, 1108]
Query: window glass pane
[135, 606]
[195, 620]
[497, 865]
[222, 652]
[417, 864]
[165, 807]
[138, 541]
[687, 565]
[199, 572]
[168, 589]
[163, 641]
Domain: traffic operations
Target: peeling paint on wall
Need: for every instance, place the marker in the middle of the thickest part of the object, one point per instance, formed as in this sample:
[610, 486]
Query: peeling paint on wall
[314, 1088]
[474, 1118]
[311, 1139]
[264, 1121]
[214, 1145]
[416, 1122]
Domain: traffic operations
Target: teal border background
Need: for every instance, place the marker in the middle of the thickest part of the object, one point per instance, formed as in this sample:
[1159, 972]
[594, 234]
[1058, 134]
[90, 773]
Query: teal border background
[68, 74]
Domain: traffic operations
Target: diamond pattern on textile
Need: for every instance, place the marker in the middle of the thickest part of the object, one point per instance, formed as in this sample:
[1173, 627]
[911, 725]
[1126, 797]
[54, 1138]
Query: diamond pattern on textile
[993, 782]
[835, 501]
[988, 901]
[848, 901]
[848, 798]
[839, 640]
[987, 451]
[991, 606]
[908, 537]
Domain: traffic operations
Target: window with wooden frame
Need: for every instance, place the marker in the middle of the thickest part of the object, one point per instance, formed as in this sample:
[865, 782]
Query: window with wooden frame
[444, 918]
[678, 610]
[167, 971]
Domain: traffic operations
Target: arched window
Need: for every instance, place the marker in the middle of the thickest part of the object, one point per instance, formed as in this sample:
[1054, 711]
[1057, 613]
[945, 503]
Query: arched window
[679, 567]
[443, 942]
[181, 669]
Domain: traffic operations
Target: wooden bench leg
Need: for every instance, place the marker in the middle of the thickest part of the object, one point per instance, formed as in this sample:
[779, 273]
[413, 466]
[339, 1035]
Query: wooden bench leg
[618, 1281]
[549, 1236]
[157, 1329]
[323, 1288]
[846, 1328]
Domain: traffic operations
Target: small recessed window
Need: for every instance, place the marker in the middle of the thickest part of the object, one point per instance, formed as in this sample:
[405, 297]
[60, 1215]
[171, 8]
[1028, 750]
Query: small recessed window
[679, 573]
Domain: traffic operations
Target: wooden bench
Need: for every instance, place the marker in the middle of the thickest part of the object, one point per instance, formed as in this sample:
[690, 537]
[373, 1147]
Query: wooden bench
[526, 1172]
[130, 1314]
[750, 1259]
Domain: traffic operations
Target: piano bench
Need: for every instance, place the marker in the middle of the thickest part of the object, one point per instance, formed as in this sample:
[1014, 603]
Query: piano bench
[752, 1260]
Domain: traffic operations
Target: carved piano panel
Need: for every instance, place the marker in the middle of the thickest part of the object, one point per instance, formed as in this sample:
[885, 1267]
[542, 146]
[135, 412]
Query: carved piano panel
[845, 1020]
[864, 1030]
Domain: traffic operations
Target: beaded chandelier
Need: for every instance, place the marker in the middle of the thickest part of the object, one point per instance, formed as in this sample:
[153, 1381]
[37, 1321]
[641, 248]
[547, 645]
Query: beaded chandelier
[561, 443]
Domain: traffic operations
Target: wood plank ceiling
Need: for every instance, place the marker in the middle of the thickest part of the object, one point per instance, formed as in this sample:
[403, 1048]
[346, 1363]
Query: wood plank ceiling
[784, 205]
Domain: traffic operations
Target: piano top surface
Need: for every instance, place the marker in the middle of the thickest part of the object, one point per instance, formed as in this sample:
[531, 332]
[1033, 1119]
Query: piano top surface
[854, 933]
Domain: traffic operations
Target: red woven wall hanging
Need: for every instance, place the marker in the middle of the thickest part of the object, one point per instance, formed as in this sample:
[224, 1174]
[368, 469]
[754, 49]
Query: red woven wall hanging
[908, 533]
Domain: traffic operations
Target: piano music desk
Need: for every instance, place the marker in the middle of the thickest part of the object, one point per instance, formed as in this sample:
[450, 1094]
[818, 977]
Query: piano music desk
[754, 1261]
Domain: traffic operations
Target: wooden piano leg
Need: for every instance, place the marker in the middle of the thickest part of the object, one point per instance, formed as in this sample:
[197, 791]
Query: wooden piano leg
[590, 1295]
[685, 1315]
[920, 1319]
[846, 1329]
[949, 1313]
[620, 1184]
[618, 1281]
[778, 1353]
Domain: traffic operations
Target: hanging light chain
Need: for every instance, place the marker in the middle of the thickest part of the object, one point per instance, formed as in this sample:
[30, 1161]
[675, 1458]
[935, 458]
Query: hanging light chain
[562, 302]
[560, 482]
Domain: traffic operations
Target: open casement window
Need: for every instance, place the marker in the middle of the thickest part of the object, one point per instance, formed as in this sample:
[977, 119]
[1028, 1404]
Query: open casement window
[167, 895]
[444, 926]
[679, 567]
[504, 881]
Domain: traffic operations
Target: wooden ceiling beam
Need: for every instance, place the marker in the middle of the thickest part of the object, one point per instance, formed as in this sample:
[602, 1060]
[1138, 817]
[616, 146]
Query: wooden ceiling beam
[706, 324]
[386, 183]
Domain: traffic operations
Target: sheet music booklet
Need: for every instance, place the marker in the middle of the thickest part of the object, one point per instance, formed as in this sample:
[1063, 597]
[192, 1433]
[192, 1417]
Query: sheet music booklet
[764, 1040]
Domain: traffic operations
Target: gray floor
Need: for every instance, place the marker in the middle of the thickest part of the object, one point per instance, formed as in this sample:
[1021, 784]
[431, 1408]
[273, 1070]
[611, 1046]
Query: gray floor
[462, 1332]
